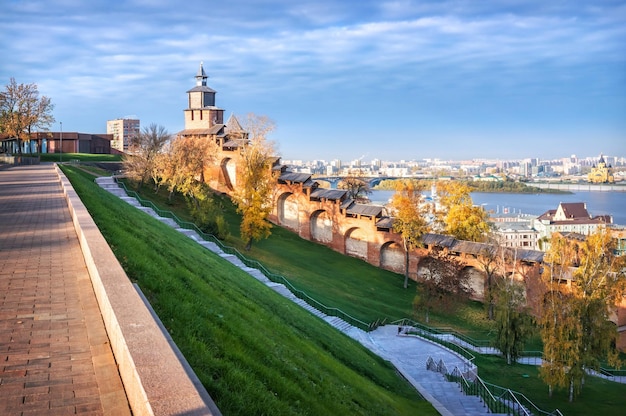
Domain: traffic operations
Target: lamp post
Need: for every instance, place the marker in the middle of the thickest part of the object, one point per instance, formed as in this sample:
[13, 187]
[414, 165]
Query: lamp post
[61, 149]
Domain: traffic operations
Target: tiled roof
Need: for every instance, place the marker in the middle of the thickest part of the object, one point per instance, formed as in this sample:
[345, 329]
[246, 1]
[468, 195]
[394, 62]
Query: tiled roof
[591, 221]
[573, 236]
[574, 210]
[233, 125]
[548, 215]
[234, 143]
[532, 256]
[201, 88]
[438, 240]
[365, 209]
[385, 222]
[470, 247]
[331, 194]
[294, 177]
[201, 132]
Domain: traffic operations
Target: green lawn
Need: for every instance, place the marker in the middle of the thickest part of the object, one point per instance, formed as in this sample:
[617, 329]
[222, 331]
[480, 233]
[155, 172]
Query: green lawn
[83, 157]
[366, 292]
[254, 351]
[598, 396]
[369, 294]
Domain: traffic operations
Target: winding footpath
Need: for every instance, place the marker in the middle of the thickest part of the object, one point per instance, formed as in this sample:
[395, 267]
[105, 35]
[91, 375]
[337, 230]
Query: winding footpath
[407, 353]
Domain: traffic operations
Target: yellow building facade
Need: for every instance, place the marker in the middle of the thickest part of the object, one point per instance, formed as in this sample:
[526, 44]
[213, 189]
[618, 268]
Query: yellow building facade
[601, 173]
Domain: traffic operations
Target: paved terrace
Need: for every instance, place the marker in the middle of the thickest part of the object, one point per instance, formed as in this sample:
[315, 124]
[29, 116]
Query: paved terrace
[75, 336]
[55, 353]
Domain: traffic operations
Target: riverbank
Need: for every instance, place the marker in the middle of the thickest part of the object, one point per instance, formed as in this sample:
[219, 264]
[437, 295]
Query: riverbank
[581, 187]
[500, 187]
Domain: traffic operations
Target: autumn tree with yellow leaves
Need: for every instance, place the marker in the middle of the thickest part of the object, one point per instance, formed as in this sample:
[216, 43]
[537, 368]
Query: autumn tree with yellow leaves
[145, 148]
[22, 111]
[575, 326]
[457, 214]
[408, 219]
[256, 180]
[181, 168]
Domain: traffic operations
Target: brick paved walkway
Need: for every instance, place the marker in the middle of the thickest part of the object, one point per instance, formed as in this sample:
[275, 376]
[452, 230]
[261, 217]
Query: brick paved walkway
[55, 357]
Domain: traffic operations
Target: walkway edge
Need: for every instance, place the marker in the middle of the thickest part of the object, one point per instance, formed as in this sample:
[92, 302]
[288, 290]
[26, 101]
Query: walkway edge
[154, 379]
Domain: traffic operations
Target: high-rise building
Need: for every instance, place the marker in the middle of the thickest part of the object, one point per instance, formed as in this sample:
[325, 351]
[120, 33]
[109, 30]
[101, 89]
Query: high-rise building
[122, 129]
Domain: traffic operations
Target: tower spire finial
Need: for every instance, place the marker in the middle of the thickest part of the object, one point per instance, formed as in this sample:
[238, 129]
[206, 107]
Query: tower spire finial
[201, 76]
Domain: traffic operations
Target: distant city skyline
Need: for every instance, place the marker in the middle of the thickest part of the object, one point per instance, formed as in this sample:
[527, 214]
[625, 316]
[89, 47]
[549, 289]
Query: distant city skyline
[392, 80]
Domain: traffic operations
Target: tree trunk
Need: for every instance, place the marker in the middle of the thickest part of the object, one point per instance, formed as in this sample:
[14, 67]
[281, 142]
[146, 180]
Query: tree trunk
[490, 312]
[406, 267]
[571, 391]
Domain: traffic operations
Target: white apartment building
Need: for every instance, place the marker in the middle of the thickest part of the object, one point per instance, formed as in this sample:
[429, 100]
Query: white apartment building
[517, 234]
[122, 130]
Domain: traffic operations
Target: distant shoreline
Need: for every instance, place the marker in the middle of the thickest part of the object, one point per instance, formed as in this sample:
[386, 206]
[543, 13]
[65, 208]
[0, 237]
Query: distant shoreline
[578, 187]
[496, 187]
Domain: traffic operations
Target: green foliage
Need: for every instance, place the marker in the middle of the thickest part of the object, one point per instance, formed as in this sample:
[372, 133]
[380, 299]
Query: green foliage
[254, 351]
[576, 330]
[506, 186]
[369, 294]
[600, 396]
[253, 195]
[207, 215]
[444, 286]
[458, 215]
[409, 220]
[513, 324]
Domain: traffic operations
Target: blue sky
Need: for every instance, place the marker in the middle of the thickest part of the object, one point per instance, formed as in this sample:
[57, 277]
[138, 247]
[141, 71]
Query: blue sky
[397, 79]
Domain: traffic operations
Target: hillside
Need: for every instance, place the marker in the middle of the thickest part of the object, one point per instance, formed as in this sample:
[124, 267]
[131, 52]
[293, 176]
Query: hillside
[255, 352]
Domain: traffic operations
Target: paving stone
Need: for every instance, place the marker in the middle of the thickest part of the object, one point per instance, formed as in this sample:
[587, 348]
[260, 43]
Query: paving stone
[49, 316]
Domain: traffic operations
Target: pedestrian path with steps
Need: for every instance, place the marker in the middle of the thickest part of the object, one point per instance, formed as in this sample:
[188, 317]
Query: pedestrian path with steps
[407, 353]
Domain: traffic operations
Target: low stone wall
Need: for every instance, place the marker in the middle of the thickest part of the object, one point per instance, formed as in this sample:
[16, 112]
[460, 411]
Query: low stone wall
[580, 187]
[19, 160]
[156, 380]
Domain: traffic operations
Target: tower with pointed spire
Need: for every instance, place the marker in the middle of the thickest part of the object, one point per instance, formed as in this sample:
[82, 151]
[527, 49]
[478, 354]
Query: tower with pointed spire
[205, 121]
[201, 112]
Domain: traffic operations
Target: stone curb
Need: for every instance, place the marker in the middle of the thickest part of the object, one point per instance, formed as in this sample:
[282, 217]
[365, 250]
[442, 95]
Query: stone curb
[155, 380]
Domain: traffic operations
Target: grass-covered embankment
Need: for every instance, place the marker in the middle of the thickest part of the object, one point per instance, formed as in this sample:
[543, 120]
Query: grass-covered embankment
[363, 291]
[82, 157]
[255, 352]
[369, 294]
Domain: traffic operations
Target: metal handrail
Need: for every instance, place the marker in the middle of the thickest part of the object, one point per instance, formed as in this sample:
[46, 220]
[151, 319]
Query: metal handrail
[433, 334]
[444, 331]
[330, 311]
[508, 401]
[425, 331]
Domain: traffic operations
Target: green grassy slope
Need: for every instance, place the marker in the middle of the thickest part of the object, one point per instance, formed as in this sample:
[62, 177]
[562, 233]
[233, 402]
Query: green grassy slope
[255, 352]
[370, 294]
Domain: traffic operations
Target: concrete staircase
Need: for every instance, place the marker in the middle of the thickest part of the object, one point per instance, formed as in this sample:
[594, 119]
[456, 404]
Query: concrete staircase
[451, 400]
[109, 184]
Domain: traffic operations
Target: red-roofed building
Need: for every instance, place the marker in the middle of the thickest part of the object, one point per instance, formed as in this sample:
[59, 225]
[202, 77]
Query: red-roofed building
[570, 217]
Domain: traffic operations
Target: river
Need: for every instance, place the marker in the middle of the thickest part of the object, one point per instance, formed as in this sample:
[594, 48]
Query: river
[598, 203]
